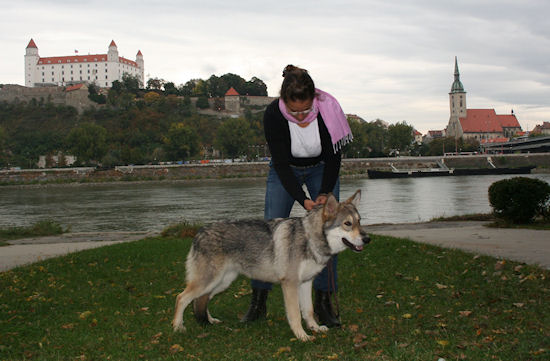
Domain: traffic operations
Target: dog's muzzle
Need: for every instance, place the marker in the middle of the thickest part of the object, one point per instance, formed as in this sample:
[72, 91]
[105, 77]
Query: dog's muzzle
[365, 238]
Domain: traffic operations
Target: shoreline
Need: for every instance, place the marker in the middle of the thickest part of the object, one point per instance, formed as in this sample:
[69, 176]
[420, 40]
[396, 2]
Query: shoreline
[215, 171]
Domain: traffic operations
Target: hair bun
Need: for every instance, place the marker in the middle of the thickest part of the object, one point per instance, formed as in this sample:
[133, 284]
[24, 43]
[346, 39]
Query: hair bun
[288, 69]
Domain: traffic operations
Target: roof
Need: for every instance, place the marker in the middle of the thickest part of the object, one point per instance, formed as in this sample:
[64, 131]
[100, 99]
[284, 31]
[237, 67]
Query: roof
[74, 87]
[232, 91]
[83, 59]
[139, 53]
[112, 44]
[32, 44]
[487, 121]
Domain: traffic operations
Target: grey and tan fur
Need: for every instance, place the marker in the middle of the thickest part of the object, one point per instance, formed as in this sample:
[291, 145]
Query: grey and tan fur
[291, 251]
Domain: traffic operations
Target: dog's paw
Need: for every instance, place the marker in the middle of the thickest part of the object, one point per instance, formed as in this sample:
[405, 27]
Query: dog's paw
[322, 329]
[214, 321]
[304, 337]
[179, 327]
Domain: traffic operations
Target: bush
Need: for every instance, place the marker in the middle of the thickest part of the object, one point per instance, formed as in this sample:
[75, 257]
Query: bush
[520, 199]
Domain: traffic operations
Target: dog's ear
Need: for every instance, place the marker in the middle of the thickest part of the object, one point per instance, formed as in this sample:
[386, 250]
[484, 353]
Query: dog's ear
[355, 199]
[331, 207]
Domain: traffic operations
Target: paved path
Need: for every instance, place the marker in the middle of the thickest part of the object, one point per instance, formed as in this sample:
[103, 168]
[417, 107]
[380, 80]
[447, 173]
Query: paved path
[29, 250]
[529, 246]
[523, 245]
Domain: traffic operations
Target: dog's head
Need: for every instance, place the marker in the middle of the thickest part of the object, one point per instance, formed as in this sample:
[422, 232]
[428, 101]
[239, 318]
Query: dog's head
[342, 224]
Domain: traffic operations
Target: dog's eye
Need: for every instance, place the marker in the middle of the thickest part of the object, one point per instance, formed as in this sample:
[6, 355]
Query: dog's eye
[347, 223]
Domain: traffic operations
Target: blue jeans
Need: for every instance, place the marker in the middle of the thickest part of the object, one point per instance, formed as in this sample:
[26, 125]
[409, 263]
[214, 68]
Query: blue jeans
[278, 204]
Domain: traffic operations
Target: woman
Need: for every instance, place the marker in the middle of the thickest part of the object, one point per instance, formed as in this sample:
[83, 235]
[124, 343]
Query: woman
[305, 130]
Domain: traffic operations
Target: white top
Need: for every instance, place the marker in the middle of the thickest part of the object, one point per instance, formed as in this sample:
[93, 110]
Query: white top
[305, 142]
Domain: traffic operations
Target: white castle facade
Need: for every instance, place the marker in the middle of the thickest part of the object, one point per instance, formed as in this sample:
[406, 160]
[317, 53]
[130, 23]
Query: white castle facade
[101, 69]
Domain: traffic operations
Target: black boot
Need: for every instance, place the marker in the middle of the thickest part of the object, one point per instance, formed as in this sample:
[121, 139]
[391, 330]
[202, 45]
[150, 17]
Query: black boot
[323, 310]
[257, 307]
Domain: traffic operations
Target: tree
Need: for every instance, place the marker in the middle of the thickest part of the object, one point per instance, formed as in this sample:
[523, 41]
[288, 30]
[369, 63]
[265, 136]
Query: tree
[155, 84]
[181, 142]
[233, 137]
[131, 83]
[400, 136]
[88, 142]
[359, 147]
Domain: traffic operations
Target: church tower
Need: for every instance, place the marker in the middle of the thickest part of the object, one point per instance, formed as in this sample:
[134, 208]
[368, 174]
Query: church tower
[457, 104]
[31, 60]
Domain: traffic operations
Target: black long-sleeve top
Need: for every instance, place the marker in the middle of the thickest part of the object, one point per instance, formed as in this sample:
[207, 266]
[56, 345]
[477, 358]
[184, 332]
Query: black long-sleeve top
[277, 134]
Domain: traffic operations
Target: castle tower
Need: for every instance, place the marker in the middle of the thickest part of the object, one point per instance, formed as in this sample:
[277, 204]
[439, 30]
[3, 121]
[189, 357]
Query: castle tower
[112, 54]
[31, 60]
[457, 105]
[141, 66]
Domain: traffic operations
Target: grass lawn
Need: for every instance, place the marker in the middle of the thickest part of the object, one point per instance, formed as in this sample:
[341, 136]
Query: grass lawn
[399, 301]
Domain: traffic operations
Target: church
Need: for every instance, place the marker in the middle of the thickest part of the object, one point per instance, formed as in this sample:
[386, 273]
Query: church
[484, 125]
[101, 69]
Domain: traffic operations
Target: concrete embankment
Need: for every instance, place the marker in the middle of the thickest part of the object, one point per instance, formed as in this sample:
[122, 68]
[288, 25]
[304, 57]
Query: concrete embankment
[350, 167]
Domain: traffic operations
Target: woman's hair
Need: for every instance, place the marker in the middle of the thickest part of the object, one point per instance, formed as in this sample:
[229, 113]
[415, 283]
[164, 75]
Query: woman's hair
[297, 84]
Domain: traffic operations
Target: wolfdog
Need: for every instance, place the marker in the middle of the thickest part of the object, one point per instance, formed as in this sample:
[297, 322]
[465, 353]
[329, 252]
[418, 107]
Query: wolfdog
[291, 251]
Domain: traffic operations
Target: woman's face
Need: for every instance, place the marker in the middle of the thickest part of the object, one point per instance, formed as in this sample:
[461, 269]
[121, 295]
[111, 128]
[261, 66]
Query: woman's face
[299, 109]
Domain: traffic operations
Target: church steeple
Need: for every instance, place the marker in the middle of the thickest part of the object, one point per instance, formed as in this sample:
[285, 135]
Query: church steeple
[457, 105]
[457, 85]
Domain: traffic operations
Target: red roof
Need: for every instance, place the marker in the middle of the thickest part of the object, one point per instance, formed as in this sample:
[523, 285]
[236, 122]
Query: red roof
[112, 44]
[232, 91]
[82, 59]
[487, 121]
[32, 44]
[74, 87]
[139, 53]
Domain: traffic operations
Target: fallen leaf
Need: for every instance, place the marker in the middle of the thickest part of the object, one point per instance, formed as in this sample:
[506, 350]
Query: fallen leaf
[68, 326]
[443, 342]
[280, 350]
[407, 315]
[175, 348]
[519, 304]
[465, 313]
[84, 315]
[440, 286]
[499, 265]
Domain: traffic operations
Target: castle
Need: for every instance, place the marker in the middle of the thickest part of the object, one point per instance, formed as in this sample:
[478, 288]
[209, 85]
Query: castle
[101, 69]
[483, 125]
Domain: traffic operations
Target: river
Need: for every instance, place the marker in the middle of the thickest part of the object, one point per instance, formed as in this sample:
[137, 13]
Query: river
[151, 206]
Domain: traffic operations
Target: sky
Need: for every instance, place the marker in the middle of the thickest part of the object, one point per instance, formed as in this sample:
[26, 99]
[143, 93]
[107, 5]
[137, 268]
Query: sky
[389, 60]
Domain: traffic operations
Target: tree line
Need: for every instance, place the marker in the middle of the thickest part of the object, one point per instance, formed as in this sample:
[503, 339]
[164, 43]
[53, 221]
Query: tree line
[153, 124]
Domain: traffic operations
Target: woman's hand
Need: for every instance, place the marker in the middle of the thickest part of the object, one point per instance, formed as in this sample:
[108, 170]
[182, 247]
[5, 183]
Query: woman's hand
[321, 199]
[309, 204]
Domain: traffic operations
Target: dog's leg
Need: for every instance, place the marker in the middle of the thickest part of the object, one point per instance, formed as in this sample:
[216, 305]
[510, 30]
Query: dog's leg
[192, 291]
[306, 306]
[292, 306]
[200, 308]
[224, 283]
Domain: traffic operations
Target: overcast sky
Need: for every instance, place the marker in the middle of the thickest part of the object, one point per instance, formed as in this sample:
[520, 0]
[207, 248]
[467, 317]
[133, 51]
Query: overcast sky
[392, 60]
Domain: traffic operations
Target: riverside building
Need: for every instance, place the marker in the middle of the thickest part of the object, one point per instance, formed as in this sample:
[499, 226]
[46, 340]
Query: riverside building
[101, 69]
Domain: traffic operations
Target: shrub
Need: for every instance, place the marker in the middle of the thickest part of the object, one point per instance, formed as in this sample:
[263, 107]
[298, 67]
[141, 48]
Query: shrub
[184, 229]
[520, 199]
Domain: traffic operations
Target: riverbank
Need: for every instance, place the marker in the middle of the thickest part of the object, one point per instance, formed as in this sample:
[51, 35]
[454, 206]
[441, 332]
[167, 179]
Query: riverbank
[522, 245]
[236, 170]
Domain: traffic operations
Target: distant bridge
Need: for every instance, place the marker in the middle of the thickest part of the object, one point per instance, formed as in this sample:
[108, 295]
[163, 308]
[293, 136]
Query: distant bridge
[519, 145]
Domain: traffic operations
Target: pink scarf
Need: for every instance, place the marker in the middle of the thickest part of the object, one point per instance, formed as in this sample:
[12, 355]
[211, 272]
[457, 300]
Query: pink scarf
[333, 116]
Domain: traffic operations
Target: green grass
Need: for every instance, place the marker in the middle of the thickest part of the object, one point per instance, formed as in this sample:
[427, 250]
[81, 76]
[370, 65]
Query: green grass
[399, 300]
[40, 229]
